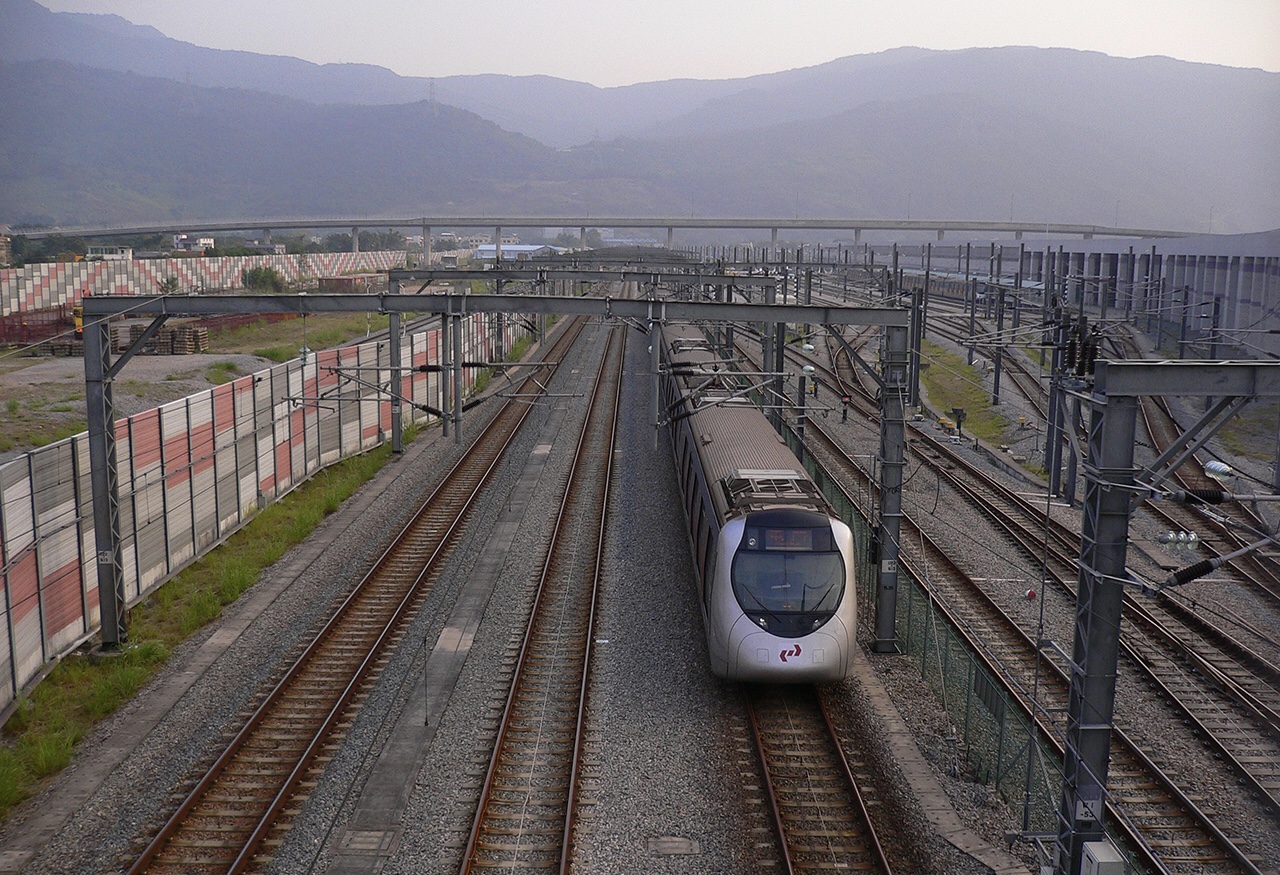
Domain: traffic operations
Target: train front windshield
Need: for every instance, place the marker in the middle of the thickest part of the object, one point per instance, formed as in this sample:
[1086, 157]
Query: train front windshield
[787, 574]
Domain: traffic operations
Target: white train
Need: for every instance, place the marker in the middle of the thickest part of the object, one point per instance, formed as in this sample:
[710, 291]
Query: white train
[775, 567]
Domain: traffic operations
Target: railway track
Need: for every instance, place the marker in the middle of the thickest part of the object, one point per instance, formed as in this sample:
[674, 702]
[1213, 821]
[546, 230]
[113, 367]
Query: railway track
[240, 809]
[1226, 689]
[819, 814]
[526, 813]
[1163, 825]
[1258, 574]
[1161, 821]
[1225, 686]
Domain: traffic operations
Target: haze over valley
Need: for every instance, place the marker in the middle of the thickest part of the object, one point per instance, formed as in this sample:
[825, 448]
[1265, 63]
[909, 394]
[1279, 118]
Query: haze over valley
[109, 122]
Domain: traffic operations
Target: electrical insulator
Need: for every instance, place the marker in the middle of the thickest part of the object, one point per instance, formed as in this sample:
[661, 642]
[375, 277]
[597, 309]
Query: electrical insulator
[1088, 357]
[1218, 469]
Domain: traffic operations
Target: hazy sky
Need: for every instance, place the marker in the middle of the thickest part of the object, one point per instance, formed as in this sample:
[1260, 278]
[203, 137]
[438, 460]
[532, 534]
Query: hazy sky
[619, 42]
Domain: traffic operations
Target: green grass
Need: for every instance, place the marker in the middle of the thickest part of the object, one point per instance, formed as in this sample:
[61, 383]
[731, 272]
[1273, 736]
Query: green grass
[278, 354]
[952, 383]
[40, 738]
[519, 348]
[48, 434]
[321, 330]
[1252, 434]
[221, 372]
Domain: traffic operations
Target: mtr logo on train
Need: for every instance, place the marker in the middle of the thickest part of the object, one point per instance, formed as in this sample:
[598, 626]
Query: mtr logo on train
[793, 652]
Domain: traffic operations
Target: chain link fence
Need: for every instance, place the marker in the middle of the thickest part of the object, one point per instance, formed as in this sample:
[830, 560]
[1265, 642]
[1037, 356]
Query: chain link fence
[992, 728]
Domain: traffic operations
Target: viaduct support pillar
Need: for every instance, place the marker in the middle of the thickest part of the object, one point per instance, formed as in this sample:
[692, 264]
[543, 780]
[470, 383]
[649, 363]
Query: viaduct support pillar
[355, 239]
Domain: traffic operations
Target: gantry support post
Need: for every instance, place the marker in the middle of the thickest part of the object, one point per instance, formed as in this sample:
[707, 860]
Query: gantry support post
[998, 352]
[105, 482]
[446, 372]
[1108, 475]
[655, 362]
[928, 271]
[397, 380]
[914, 343]
[892, 461]
[457, 377]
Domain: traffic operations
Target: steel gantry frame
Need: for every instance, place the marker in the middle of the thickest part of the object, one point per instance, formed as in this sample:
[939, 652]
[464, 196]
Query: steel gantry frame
[650, 312]
[1112, 486]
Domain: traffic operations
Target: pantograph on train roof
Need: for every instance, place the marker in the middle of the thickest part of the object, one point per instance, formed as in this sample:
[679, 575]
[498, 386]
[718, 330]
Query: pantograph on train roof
[750, 490]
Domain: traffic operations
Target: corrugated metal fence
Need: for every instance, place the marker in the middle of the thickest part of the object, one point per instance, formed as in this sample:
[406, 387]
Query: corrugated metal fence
[191, 472]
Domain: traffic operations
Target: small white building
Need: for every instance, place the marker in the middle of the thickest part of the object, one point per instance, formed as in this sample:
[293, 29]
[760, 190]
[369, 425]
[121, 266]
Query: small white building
[516, 252]
[110, 253]
[265, 248]
[191, 243]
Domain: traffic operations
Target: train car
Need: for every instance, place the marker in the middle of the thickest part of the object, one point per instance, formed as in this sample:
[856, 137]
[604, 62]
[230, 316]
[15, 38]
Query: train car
[775, 568]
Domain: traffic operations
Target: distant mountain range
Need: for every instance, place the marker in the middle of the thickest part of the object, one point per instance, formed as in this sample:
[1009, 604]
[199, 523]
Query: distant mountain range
[106, 121]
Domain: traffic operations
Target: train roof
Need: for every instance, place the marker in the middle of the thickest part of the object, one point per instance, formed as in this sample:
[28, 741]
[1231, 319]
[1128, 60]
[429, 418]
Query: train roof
[749, 465]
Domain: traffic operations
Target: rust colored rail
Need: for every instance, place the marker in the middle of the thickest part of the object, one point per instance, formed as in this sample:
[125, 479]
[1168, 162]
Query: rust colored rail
[525, 817]
[1162, 823]
[818, 810]
[235, 810]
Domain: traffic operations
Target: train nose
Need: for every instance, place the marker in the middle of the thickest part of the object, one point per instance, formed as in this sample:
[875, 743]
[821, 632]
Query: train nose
[763, 656]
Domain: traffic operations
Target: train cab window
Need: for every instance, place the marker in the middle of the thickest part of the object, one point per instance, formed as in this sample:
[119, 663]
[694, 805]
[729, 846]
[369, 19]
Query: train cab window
[788, 578]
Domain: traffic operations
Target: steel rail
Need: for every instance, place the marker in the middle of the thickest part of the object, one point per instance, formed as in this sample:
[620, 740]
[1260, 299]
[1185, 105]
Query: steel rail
[463, 477]
[1143, 829]
[806, 771]
[585, 497]
[1193, 816]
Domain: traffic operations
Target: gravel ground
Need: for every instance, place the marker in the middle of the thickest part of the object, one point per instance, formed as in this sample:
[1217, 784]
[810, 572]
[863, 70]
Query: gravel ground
[138, 795]
[664, 759]
[145, 382]
[1139, 711]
